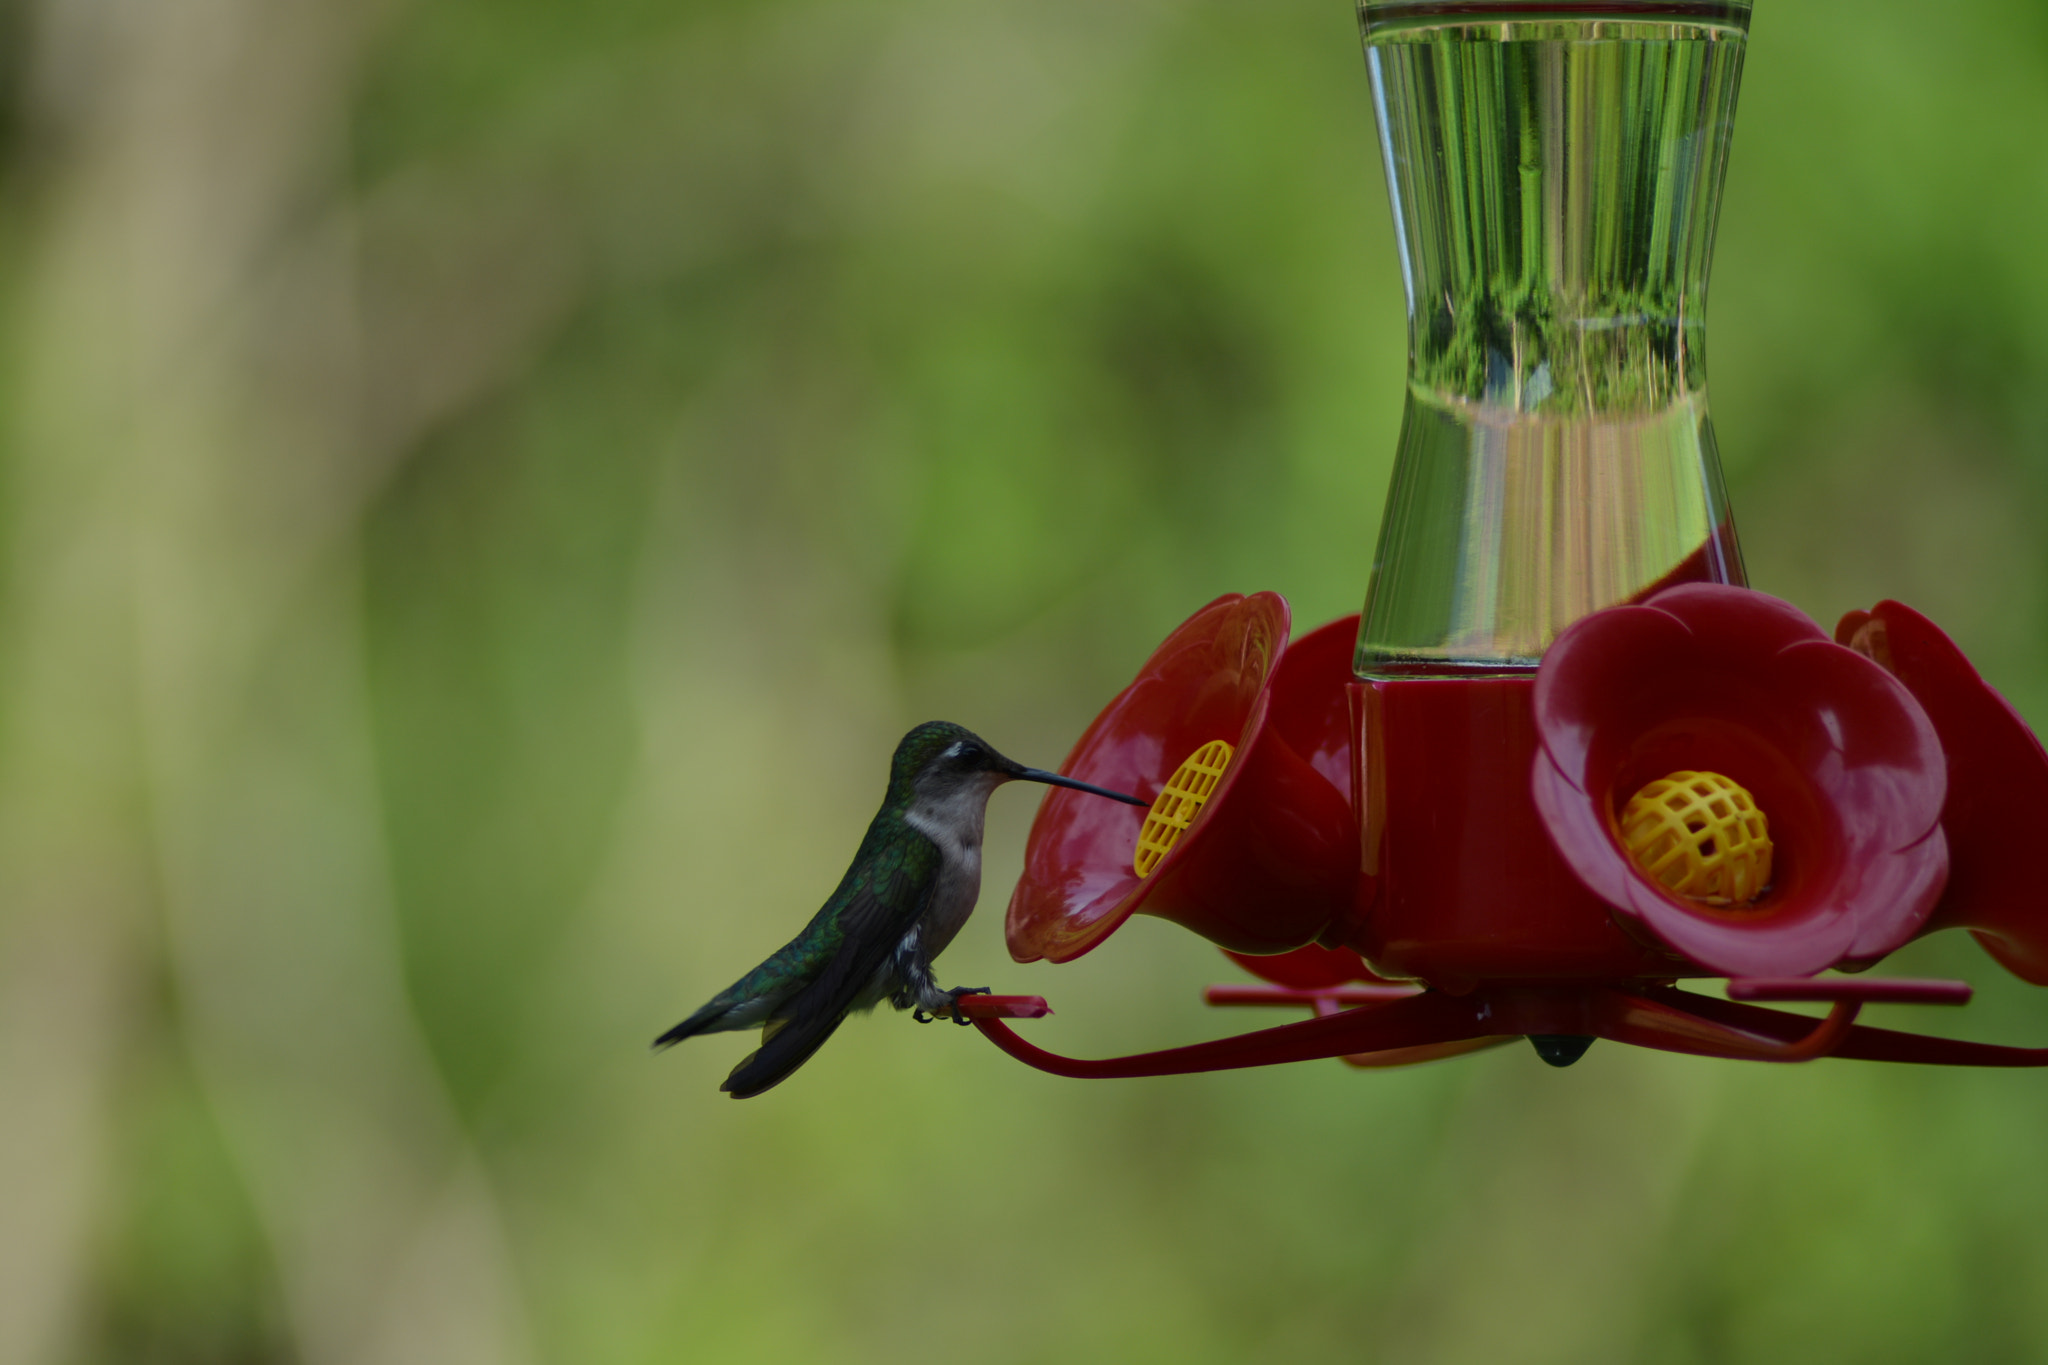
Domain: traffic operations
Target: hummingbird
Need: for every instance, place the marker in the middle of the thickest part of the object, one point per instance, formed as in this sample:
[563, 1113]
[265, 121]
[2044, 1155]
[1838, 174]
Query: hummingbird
[913, 883]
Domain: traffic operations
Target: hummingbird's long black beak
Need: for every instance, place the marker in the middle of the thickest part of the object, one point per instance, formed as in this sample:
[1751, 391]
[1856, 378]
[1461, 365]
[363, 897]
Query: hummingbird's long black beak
[1055, 780]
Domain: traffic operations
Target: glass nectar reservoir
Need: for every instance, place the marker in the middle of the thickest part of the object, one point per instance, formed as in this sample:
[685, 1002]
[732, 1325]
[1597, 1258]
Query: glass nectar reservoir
[1555, 172]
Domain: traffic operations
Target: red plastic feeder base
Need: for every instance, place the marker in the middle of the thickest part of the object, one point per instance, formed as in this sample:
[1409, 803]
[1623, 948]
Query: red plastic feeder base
[1365, 1023]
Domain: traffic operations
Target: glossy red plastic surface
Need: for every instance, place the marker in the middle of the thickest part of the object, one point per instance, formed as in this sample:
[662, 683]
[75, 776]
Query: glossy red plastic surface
[1323, 1000]
[1329, 1000]
[1312, 968]
[1997, 806]
[1839, 756]
[1272, 859]
[1469, 885]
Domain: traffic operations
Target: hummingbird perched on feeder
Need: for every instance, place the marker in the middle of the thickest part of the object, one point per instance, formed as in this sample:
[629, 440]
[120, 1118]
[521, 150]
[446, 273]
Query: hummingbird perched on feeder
[912, 885]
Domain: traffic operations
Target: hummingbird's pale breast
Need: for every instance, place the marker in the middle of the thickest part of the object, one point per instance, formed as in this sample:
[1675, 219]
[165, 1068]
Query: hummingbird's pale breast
[953, 819]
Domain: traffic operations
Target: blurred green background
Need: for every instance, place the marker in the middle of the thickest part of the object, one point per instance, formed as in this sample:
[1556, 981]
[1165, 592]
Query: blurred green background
[486, 482]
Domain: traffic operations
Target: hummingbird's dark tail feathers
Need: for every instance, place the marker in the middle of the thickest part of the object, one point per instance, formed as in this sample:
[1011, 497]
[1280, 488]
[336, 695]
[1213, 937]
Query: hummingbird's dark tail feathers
[786, 1044]
[696, 1023]
[870, 927]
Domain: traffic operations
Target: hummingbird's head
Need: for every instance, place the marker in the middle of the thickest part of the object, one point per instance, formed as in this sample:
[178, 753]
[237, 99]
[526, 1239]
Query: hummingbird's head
[941, 764]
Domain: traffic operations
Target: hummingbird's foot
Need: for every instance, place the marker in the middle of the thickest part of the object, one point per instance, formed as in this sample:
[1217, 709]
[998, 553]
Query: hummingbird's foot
[953, 996]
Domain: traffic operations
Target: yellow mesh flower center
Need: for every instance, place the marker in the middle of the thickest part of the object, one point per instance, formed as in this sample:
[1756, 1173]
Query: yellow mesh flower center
[1179, 802]
[1701, 836]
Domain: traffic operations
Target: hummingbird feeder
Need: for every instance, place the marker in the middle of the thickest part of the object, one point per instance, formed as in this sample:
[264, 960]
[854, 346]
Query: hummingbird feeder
[1565, 758]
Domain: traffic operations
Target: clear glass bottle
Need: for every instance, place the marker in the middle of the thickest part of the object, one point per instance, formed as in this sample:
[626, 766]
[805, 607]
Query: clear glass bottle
[1555, 171]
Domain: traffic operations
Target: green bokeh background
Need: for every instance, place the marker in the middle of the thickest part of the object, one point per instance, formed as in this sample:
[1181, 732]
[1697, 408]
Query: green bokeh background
[484, 485]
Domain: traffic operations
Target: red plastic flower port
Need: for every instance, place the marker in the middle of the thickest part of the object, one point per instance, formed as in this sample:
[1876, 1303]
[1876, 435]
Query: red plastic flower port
[1997, 802]
[1838, 754]
[1271, 859]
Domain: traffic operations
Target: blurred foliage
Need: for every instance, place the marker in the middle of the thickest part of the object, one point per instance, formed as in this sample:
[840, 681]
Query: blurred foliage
[484, 486]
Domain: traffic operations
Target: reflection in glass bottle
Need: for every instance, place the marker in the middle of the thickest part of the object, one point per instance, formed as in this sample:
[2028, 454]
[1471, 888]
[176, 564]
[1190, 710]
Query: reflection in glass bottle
[1555, 182]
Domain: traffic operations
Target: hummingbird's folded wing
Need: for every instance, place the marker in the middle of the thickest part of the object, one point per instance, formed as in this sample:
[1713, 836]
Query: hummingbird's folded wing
[883, 897]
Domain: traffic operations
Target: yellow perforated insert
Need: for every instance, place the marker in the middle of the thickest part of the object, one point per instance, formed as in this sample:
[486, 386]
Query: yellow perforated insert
[1178, 802]
[1700, 835]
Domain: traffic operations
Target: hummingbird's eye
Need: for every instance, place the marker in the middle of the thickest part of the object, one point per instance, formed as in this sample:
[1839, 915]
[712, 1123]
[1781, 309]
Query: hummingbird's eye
[965, 752]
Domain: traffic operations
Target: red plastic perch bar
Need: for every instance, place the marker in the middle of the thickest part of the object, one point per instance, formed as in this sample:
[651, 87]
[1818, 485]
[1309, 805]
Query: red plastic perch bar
[1003, 1007]
[1433, 1024]
[1881, 991]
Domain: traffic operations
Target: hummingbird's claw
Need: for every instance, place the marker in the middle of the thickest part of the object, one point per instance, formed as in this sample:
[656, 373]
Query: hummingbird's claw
[955, 994]
[922, 1017]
